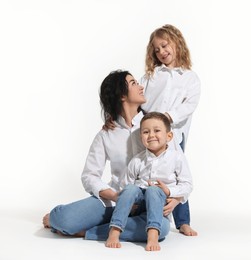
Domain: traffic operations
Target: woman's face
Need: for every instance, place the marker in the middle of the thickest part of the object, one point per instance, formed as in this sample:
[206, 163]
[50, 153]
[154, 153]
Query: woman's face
[165, 52]
[135, 92]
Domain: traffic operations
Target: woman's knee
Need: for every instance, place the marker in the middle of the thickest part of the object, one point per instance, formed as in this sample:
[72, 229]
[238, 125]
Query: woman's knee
[61, 220]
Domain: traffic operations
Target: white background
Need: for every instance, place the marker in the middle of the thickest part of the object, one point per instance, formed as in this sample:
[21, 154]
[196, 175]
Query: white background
[53, 57]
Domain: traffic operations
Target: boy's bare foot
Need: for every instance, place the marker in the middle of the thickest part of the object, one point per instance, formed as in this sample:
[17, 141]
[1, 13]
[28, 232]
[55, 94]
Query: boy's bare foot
[152, 240]
[113, 238]
[46, 221]
[187, 230]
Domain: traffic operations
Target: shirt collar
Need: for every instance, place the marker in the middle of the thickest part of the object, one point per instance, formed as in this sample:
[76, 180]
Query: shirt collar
[163, 67]
[135, 121]
[151, 156]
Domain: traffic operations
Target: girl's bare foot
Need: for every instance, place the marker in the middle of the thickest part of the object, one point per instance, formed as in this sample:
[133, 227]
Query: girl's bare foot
[152, 240]
[113, 238]
[187, 230]
[46, 221]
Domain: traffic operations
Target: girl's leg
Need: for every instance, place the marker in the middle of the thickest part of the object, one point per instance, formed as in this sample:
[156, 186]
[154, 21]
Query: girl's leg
[181, 215]
[79, 216]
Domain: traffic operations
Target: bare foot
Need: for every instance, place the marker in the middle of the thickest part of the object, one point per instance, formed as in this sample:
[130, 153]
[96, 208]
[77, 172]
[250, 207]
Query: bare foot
[46, 221]
[152, 240]
[187, 230]
[113, 238]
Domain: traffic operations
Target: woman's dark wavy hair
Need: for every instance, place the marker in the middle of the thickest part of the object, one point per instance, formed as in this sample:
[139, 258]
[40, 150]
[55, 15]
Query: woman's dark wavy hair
[112, 89]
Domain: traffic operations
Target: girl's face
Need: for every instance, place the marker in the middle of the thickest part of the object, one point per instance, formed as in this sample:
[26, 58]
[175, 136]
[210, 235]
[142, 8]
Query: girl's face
[165, 52]
[154, 135]
[135, 92]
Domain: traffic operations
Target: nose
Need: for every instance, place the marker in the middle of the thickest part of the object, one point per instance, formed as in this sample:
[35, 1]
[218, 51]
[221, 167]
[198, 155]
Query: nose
[161, 51]
[140, 87]
[151, 134]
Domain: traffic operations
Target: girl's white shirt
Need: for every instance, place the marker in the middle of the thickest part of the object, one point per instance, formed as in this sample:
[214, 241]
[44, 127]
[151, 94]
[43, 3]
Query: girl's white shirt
[117, 146]
[176, 92]
[170, 166]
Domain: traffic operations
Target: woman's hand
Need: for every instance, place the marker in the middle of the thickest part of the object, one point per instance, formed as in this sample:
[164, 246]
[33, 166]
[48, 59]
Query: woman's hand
[109, 194]
[171, 204]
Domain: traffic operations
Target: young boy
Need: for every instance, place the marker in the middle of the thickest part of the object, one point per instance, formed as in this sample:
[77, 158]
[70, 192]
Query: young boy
[153, 175]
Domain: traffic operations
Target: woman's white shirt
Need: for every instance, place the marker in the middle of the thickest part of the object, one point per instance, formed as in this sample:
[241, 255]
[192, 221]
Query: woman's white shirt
[117, 146]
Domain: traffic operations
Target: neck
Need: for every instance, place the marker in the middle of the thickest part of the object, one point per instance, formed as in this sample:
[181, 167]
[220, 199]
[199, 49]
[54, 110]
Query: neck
[128, 113]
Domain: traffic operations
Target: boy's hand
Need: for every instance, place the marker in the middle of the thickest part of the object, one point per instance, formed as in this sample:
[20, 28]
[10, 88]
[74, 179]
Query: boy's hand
[159, 184]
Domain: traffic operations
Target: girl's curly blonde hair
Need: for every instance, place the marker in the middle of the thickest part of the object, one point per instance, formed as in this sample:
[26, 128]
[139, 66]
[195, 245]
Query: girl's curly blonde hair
[170, 34]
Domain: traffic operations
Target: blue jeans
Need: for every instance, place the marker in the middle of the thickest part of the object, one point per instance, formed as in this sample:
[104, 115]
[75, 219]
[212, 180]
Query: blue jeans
[151, 199]
[181, 213]
[90, 215]
[149, 215]
[79, 216]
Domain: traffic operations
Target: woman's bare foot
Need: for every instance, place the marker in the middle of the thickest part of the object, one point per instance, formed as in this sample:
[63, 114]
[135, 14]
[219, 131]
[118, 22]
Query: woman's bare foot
[187, 230]
[46, 221]
[152, 240]
[113, 238]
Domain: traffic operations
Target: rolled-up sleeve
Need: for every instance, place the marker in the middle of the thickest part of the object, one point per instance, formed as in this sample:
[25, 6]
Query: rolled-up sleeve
[94, 167]
[184, 185]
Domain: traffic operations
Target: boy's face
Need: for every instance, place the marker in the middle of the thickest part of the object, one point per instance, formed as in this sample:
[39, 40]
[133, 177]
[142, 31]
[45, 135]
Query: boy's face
[165, 52]
[154, 135]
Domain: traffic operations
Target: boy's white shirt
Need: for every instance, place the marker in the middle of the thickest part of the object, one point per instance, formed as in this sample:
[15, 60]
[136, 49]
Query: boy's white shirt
[171, 167]
[116, 146]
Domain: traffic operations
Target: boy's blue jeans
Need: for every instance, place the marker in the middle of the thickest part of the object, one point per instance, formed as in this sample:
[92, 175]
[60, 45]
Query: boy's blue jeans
[151, 200]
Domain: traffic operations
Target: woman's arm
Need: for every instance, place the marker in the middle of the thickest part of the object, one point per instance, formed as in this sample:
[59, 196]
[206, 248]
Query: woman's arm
[94, 167]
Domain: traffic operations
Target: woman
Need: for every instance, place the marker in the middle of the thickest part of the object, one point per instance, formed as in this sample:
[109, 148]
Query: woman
[120, 98]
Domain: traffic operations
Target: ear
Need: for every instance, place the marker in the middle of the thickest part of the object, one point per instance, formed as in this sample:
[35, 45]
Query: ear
[169, 136]
[123, 98]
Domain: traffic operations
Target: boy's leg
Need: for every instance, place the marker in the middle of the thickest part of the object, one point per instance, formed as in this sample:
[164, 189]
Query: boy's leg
[155, 200]
[126, 200]
[135, 230]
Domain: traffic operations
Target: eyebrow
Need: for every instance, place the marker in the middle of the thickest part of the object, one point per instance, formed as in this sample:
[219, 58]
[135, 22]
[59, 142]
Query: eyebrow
[132, 80]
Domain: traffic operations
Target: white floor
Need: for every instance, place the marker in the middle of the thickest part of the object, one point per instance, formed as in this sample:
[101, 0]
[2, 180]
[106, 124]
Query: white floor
[222, 237]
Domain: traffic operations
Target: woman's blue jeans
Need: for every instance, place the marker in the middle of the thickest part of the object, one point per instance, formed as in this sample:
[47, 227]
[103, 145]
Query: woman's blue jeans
[90, 215]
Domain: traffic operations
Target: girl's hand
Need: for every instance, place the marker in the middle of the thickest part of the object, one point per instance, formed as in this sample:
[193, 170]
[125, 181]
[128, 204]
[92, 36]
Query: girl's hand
[170, 206]
[109, 124]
